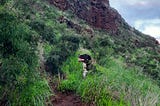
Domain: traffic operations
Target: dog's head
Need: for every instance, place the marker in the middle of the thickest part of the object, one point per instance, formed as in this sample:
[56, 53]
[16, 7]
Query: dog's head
[84, 58]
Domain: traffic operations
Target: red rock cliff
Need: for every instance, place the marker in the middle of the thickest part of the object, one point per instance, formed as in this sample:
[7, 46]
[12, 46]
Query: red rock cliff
[97, 13]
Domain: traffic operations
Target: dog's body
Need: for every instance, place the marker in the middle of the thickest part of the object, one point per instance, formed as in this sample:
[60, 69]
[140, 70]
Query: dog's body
[87, 62]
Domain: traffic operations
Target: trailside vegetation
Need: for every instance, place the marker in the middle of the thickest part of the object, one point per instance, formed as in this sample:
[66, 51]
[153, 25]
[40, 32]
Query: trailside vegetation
[126, 70]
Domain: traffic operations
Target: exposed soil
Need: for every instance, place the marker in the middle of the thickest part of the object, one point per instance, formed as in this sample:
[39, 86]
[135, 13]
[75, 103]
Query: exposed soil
[59, 98]
[66, 99]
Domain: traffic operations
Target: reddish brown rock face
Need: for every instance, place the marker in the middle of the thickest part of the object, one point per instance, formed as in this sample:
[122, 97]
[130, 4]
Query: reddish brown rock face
[97, 13]
[62, 4]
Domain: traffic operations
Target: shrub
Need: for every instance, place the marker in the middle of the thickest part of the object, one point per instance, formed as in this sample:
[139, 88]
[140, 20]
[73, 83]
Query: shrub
[20, 81]
[46, 32]
[66, 47]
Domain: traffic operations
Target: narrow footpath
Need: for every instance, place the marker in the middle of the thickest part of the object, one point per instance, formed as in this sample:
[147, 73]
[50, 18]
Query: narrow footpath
[59, 98]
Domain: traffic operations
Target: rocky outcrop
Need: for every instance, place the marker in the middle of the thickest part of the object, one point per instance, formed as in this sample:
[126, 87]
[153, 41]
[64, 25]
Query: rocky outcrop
[62, 4]
[97, 13]
[78, 28]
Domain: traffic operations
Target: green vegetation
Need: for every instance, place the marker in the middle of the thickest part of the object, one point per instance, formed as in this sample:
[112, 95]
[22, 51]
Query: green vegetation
[113, 85]
[20, 80]
[125, 73]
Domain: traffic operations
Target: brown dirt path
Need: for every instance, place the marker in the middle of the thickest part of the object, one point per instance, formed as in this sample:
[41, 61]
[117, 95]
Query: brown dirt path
[59, 98]
[66, 99]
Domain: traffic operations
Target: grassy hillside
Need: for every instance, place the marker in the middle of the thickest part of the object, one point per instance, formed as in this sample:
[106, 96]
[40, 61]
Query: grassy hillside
[113, 85]
[126, 73]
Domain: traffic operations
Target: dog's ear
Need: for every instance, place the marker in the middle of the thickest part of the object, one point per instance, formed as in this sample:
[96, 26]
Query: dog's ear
[87, 57]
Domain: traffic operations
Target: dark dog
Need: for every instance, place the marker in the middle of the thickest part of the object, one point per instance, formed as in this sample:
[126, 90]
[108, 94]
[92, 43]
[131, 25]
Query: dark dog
[87, 62]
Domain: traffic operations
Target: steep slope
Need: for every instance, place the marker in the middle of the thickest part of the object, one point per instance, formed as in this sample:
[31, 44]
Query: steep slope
[124, 57]
[123, 38]
[99, 14]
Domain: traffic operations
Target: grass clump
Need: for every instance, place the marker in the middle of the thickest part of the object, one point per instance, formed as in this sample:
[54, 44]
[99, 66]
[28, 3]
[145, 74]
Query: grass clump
[112, 84]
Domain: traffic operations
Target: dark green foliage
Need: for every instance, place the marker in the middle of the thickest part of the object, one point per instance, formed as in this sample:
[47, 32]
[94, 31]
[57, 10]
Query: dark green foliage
[46, 32]
[7, 33]
[2, 2]
[67, 46]
[147, 59]
[14, 36]
[53, 62]
[18, 72]
[69, 43]
[26, 8]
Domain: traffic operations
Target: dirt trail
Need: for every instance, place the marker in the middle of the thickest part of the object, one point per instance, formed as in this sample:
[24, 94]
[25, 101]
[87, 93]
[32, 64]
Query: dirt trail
[59, 98]
[41, 57]
[65, 99]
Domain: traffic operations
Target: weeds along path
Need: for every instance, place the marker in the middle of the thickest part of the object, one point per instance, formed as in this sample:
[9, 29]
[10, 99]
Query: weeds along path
[65, 98]
[59, 98]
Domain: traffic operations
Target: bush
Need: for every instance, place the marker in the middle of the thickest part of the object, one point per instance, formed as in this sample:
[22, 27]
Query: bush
[46, 32]
[20, 81]
[66, 47]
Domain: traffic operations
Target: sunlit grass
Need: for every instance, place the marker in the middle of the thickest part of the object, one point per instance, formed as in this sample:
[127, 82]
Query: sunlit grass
[113, 85]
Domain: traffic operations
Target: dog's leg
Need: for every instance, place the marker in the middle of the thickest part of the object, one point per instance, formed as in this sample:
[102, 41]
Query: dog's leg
[85, 73]
[84, 70]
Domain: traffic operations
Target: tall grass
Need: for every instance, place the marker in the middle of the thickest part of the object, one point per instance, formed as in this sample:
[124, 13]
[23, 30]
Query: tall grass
[33, 95]
[20, 80]
[113, 85]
